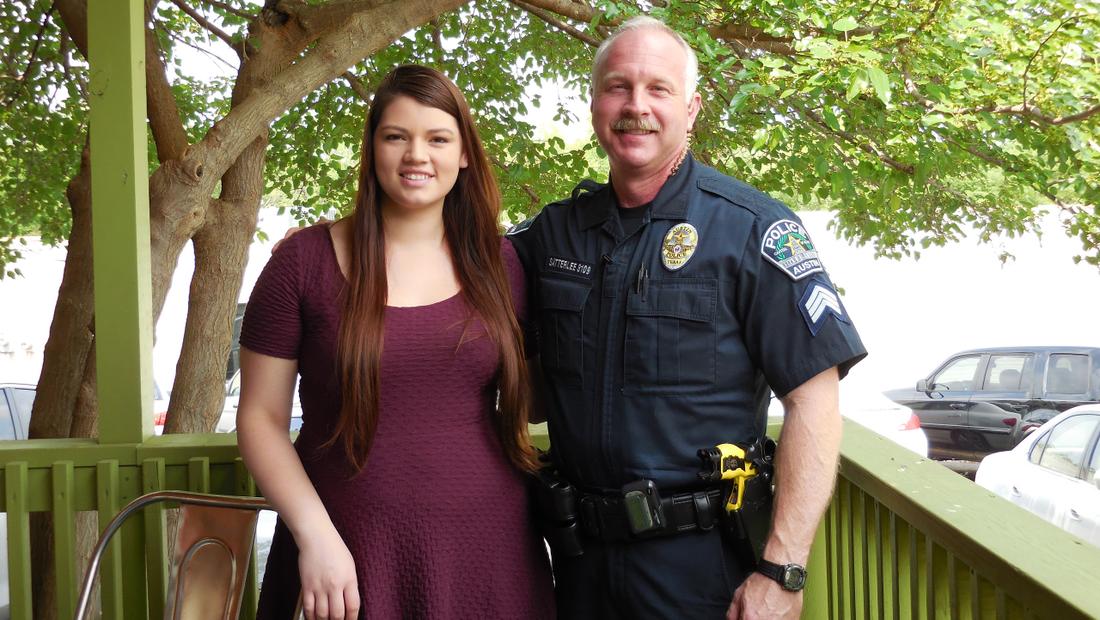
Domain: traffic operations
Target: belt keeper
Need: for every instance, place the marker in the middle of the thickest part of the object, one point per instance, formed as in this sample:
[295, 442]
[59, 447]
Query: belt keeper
[590, 517]
[703, 514]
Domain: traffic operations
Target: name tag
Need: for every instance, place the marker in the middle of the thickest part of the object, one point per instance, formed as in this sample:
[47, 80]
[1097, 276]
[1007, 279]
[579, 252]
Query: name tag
[564, 265]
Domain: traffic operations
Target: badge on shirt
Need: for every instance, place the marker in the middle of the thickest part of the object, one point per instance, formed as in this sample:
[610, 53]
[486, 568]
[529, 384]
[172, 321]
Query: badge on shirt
[679, 246]
[787, 246]
[818, 303]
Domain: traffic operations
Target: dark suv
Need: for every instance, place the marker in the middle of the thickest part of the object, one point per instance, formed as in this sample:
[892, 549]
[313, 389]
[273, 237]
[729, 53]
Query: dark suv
[985, 400]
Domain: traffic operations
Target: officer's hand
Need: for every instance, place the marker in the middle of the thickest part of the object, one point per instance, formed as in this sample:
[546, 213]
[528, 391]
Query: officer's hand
[760, 597]
[290, 232]
[330, 590]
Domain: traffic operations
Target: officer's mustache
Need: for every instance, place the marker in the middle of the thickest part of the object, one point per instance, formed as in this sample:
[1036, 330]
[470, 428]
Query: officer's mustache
[635, 124]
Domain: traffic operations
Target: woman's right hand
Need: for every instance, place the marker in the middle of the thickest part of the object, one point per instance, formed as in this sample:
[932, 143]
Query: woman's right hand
[330, 590]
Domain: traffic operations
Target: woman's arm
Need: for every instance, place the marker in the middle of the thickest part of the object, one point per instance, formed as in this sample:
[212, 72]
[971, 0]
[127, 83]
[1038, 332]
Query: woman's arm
[329, 585]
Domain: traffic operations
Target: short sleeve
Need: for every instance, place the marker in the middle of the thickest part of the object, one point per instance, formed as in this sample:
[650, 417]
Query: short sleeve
[522, 241]
[272, 323]
[517, 280]
[796, 325]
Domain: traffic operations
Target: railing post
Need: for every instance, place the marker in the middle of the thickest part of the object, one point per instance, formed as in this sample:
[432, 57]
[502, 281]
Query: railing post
[120, 220]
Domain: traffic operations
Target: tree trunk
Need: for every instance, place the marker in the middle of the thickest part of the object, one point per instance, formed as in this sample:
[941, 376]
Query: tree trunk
[274, 76]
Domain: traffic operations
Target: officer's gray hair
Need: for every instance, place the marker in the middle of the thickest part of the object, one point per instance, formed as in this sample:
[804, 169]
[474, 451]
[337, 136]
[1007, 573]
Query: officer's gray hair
[645, 22]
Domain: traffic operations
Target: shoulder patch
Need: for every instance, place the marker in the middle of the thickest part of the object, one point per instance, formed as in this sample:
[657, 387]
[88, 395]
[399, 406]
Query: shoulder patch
[524, 225]
[820, 301]
[787, 245]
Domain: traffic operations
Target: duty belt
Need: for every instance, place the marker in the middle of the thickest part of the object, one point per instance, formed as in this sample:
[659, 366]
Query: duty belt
[636, 514]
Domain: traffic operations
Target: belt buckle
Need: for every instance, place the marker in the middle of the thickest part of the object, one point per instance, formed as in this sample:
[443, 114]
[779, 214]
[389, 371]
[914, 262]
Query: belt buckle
[642, 504]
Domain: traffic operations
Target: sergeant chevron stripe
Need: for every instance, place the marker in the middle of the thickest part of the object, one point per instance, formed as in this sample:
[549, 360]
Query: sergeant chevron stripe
[821, 299]
[818, 303]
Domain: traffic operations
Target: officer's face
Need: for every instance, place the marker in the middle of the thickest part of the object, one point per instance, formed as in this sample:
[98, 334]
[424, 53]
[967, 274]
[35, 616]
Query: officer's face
[640, 109]
[417, 154]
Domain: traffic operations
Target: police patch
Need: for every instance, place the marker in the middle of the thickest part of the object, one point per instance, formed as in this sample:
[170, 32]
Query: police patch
[679, 246]
[820, 301]
[787, 246]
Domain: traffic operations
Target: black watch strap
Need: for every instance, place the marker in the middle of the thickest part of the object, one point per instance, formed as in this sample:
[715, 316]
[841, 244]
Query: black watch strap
[791, 576]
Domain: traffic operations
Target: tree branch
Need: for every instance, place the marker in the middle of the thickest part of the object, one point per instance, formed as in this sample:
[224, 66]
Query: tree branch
[566, 8]
[1036, 55]
[557, 23]
[320, 19]
[232, 10]
[865, 146]
[210, 27]
[1015, 110]
[37, 43]
[358, 86]
[358, 35]
[535, 198]
[160, 103]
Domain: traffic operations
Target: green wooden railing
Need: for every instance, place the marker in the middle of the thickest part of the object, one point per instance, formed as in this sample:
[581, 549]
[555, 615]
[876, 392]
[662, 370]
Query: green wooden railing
[65, 476]
[904, 537]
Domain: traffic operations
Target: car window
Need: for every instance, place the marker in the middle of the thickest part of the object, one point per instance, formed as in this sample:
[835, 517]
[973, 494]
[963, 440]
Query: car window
[1094, 464]
[7, 426]
[1064, 451]
[24, 403]
[959, 374]
[1068, 374]
[235, 385]
[1007, 373]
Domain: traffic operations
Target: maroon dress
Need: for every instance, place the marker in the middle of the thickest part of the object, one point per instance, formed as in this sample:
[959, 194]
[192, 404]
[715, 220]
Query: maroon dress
[438, 520]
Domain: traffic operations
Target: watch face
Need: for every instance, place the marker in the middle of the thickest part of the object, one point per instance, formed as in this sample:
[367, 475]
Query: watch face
[794, 577]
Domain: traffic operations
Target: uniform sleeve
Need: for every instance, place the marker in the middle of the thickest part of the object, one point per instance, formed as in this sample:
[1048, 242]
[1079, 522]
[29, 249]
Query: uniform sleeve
[517, 281]
[272, 323]
[796, 325]
[524, 244]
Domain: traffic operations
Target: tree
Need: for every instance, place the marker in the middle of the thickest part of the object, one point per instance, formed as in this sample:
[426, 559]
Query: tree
[911, 119]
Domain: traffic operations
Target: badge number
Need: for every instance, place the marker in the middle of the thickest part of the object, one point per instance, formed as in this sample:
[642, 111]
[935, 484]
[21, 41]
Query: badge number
[679, 246]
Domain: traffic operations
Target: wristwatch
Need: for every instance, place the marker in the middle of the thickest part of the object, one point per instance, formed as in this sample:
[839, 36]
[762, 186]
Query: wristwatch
[791, 576]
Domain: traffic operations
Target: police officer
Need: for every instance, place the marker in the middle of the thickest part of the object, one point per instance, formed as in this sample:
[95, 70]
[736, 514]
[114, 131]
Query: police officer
[667, 303]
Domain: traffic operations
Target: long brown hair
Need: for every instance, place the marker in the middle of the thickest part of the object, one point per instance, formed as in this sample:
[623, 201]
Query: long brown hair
[471, 213]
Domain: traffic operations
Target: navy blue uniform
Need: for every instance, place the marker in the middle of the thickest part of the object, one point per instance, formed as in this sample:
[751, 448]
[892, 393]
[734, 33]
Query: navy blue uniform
[664, 341]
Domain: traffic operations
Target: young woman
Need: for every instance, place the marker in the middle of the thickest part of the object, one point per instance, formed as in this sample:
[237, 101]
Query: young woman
[404, 495]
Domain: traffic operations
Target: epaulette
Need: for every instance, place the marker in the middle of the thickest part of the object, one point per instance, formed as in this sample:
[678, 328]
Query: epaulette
[524, 225]
[740, 193]
[586, 186]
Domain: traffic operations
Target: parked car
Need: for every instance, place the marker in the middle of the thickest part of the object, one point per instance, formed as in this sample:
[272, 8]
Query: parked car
[16, 400]
[873, 410]
[986, 400]
[227, 423]
[1054, 472]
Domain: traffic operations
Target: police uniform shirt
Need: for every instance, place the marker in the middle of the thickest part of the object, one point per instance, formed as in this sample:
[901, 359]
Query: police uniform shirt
[657, 343]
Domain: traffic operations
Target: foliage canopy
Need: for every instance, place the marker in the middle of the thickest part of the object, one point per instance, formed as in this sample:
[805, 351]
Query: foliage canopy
[914, 120]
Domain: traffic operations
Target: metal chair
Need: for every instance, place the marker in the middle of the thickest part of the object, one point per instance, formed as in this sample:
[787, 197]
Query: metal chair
[213, 543]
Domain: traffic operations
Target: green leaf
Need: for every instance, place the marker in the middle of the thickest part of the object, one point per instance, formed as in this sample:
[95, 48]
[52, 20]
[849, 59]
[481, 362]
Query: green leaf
[831, 119]
[881, 84]
[845, 24]
[855, 86]
[933, 119]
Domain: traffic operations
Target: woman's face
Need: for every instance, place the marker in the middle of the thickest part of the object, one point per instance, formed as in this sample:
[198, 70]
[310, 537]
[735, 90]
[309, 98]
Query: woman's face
[417, 154]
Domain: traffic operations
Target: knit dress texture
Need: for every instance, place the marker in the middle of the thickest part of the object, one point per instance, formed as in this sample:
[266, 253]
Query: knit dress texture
[437, 521]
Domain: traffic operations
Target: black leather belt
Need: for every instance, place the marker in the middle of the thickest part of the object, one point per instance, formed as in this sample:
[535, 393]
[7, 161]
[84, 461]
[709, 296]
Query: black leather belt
[606, 517]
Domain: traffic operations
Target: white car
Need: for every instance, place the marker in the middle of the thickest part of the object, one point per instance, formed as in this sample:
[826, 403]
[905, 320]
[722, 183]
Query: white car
[871, 408]
[1054, 472]
[227, 423]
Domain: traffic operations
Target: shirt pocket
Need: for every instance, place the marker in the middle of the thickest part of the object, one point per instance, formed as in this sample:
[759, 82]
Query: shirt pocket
[561, 328]
[671, 337]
